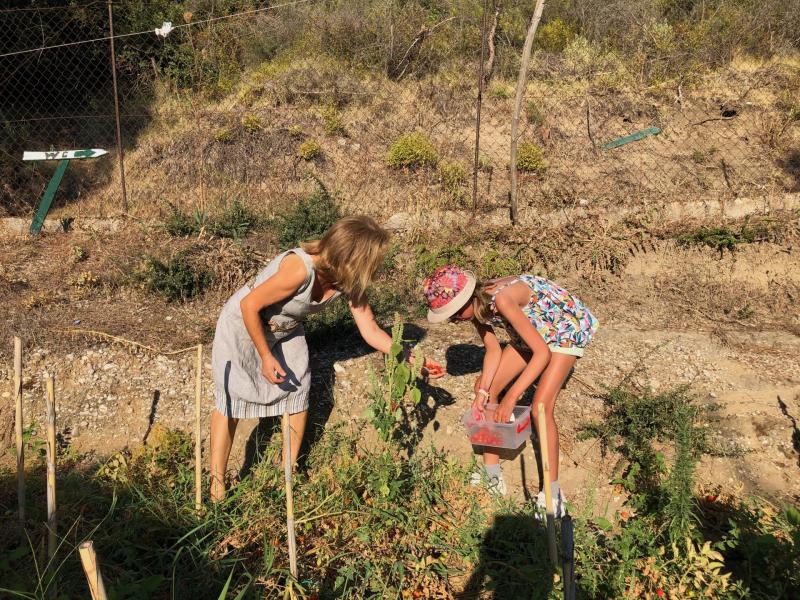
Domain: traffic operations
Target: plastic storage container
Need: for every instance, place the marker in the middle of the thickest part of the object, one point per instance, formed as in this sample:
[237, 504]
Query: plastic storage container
[485, 432]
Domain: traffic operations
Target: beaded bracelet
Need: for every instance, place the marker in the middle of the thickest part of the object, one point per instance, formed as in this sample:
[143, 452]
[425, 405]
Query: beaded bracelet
[483, 392]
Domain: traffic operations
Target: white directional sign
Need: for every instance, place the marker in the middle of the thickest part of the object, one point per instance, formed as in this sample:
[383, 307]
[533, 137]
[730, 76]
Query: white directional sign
[63, 154]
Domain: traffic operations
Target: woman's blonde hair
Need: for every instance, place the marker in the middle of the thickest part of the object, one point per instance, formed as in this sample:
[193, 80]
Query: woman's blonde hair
[482, 301]
[351, 252]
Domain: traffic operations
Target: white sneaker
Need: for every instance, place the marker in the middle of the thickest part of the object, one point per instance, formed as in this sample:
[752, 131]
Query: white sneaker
[494, 483]
[497, 485]
[559, 505]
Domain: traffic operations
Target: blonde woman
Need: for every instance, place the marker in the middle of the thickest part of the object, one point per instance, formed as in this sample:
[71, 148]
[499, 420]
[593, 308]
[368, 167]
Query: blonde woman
[260, 357]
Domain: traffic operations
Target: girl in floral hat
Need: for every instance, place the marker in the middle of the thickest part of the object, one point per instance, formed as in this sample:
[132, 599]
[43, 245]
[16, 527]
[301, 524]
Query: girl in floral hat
[548, 328]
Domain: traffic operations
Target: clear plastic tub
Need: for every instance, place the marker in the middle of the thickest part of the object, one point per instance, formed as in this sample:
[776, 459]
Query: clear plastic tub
[483, 431]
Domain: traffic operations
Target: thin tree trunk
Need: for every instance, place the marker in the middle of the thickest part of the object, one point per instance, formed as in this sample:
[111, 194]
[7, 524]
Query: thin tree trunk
[488, 67]
[523, 74]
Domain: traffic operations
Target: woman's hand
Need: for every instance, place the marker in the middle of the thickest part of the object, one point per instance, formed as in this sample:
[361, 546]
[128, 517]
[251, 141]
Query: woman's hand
[272, 369]
[505, 409]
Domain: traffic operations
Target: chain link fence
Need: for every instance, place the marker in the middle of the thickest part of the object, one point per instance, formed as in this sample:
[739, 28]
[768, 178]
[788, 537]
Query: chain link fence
[241, 103]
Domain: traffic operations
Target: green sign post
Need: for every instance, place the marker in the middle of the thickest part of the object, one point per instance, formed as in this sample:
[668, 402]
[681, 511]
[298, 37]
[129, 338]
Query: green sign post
[63, 157]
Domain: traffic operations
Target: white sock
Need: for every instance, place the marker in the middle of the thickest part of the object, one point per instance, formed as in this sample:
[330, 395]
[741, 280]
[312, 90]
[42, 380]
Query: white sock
[493, 470]
[555, 489]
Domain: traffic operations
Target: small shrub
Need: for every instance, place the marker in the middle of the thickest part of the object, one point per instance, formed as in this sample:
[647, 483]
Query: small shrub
[87, 279]
[413, 150]
[453, 176]
[178, 223]
[494, 264]
[176, 279]
[530, 159]
[308, 219]
[236, 221]
[699, 157]
[79, 254]
[427, 258]
[223, 135]
[485, 163]
[555, 35]
[334, 125]
[309, 150]
[296, 131]
[252, 123]
[533, 114]
[501, 91]
[727, 238]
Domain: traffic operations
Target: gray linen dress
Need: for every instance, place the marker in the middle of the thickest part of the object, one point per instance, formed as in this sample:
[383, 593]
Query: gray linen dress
[241, 391]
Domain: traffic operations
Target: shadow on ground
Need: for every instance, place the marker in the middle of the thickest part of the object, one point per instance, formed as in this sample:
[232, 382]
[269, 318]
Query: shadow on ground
[513, 561]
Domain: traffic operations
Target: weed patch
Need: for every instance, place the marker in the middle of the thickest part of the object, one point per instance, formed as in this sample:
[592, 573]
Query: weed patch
[728, 237]
[530, 158]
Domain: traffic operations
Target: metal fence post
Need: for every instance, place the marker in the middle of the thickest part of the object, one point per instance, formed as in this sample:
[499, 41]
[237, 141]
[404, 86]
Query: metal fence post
[120, 153]
[476, 162]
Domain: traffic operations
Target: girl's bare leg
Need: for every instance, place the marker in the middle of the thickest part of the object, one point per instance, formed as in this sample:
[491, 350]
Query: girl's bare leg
[512, 364]
[297, 425]
[222, 431]
[550, 383]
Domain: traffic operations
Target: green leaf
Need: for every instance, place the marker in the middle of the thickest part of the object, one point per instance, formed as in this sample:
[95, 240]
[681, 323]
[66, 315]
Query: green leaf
[402, 376]
[603, 523]
[793, 516]
[398, 414]
[416, 396]
[396, 350]
[224, 593]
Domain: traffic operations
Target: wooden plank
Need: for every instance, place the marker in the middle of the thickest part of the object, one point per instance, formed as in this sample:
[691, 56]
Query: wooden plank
[634, 137]
[63, 154]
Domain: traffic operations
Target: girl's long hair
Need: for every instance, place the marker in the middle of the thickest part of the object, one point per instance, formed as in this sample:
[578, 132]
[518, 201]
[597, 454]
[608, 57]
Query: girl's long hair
[482, 301]
[351, 252]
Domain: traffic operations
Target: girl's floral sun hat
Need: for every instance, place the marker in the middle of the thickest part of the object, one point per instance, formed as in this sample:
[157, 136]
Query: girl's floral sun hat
[447, 290]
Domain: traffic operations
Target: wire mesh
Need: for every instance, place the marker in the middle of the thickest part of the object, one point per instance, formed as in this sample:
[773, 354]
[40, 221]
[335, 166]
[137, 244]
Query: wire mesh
[251, 108]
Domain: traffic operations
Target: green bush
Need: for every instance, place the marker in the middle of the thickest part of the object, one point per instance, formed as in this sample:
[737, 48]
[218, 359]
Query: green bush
[726, 237]
[176, 280]
[252, 123]
[413, 150]
[235, 222]
[334, 124]
[555, 35]
[308, 219]
[453, 176]
[531, 159]
[181, 224]
[309, 150]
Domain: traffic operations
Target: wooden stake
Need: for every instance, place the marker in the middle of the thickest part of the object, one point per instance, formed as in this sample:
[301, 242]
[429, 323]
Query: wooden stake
[198, 468]
[92, 570]
[287, 473]
[548, 493]
[521, 79]
[52, 540]
[18, 427]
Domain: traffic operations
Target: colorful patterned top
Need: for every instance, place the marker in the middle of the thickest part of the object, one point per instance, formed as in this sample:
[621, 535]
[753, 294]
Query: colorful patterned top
[564, 322]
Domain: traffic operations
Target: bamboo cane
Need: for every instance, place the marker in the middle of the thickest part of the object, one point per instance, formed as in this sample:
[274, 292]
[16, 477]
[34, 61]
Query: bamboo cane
[92, 570]
[287, 473]
[18, 427]
[548, 493]
[52, 540]
[198, 469]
